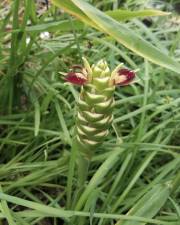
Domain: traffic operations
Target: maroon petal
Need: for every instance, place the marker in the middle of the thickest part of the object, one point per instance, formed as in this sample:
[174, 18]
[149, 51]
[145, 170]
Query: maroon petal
[124, 77]
[76, 78]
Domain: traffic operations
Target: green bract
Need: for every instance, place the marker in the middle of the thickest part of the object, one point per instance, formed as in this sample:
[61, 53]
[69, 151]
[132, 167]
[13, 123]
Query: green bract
[95, 106]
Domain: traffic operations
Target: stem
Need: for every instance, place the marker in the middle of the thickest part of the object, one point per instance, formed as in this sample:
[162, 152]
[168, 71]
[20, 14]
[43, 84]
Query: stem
[83, 166]
[13, 55]
[71, 170]
[97, 178]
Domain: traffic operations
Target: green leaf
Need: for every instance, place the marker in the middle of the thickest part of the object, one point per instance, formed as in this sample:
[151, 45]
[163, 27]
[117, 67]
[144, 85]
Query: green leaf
[37, 116]
[48, 211]
[74, 10]
[149, 205]
[121, 14]
[94, 17]
[118, 14]
[66, 25]
[6, 211]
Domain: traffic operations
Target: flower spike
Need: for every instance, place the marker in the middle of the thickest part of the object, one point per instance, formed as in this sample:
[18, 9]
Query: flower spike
[96, 101]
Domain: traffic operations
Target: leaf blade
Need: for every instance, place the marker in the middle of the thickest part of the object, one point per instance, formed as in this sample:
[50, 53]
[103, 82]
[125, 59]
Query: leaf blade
[127, 37]
[121, 14]
[120, 32]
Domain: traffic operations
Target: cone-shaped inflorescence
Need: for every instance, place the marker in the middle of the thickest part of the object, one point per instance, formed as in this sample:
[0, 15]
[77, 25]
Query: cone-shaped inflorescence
[96, 101]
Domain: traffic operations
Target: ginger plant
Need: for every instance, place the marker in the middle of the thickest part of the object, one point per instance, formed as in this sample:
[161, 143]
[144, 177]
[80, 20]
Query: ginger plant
[94, 109]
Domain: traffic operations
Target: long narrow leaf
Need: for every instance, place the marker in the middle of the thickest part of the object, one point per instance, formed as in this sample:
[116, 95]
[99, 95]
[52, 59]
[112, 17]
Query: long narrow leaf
[149, 205]
[127, 37]
[121, 14]
[94, 17]
[118, 14]
[48, 211]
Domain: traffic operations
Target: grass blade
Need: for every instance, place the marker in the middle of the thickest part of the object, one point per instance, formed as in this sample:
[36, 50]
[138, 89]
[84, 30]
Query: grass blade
[121, 15]
[49, 211]
[94, 17]
[149, 205]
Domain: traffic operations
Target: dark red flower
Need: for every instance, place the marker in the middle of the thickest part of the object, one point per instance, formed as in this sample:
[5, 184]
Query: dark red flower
[76, 76]
[124, 77]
